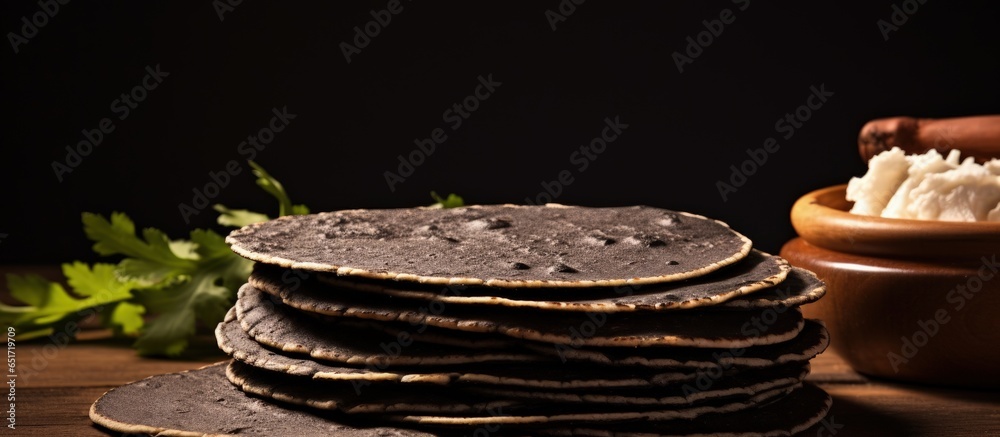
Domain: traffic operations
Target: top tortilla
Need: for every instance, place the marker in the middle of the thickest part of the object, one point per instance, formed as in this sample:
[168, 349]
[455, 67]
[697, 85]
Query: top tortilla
[499, 245]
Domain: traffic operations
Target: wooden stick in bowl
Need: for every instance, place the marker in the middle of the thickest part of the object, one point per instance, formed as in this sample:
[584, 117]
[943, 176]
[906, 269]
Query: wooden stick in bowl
[977, 136]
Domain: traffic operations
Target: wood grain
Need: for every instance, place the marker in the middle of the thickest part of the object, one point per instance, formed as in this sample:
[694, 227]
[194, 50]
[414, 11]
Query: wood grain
[54, 395]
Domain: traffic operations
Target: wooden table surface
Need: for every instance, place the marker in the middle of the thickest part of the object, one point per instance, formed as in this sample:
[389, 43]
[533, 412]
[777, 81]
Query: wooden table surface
[55, 401]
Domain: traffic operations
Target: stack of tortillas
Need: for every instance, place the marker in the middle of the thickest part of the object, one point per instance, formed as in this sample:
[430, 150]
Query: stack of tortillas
[499, 320]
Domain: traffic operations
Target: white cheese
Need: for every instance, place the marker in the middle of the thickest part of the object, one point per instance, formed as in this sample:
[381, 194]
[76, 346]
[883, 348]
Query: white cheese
[927, 187]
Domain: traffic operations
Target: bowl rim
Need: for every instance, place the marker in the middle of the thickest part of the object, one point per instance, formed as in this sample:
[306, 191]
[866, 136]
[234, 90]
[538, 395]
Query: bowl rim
[820, 217]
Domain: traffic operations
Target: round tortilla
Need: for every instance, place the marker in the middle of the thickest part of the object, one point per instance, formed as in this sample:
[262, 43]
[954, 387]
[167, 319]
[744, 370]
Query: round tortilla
[551, 376]
[596, 417]
[204, 403]
[179, 404]
[276, 326]
[799, 411]
[499, 245]
[812, 341]
[734, 385]
[799, 288]
[719, 329]
[756, 273]
[443, 407]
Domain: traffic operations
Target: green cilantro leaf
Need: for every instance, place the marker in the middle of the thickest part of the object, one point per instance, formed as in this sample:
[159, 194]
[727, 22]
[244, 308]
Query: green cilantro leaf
[453, 201]
[47, 303]
[150, 260]
[242, 217]
[181, 281]
[184, 249]
[274, 188]
[238, 217]
[177, 307]
[205, 294]
[125, 319]
[181, 284]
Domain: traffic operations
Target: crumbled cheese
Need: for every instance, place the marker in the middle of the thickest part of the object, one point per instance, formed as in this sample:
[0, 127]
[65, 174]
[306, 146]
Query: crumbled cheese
[927, 187]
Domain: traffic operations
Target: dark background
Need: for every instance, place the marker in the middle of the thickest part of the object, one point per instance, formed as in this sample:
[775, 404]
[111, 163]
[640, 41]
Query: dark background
[606, 59]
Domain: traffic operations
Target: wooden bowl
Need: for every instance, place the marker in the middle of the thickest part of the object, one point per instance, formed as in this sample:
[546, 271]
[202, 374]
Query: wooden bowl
[911, 300]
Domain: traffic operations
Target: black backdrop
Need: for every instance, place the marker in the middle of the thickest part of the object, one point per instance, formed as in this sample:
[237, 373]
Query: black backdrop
[352, 120]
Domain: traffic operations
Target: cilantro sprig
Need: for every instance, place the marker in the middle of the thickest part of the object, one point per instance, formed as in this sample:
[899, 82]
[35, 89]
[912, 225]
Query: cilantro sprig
[160, 291]
[48, 304]
[452, 201]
